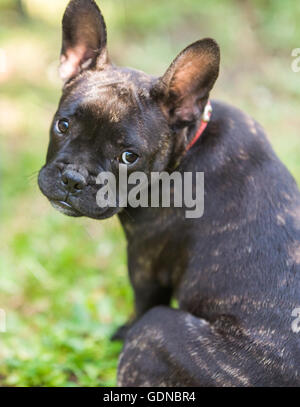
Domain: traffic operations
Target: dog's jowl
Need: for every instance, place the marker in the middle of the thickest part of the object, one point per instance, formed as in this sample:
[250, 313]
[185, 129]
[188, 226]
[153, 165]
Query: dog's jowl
[235, 271]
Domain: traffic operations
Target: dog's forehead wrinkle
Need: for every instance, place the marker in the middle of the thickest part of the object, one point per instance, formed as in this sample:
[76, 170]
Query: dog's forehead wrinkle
[114, 76]
[112, 101]
[125, 85]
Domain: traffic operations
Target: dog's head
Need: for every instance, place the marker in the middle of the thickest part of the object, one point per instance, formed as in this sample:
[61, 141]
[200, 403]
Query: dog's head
[109, 115]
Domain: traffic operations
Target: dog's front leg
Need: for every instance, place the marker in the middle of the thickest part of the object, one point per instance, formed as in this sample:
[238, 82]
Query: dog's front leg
[148, 292]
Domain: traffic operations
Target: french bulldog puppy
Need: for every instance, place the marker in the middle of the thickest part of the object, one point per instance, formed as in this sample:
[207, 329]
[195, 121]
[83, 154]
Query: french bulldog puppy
[235, 271]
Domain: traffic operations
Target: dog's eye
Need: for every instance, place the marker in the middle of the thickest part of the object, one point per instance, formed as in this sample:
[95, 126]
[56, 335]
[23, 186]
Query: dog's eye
[128, 157]
[62, 126]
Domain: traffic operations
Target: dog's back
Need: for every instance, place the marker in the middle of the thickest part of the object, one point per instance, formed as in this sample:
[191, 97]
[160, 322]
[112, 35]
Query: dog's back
[242, 271]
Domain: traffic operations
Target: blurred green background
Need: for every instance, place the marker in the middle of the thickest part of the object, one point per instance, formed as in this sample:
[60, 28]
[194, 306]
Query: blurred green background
[63, 281]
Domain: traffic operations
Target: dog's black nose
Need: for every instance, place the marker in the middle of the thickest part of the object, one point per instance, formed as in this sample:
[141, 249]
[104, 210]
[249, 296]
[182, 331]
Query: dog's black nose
[73, 181]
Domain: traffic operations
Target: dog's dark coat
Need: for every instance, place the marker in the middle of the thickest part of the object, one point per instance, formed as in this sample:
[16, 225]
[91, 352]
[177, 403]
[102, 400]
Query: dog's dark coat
[236, 270]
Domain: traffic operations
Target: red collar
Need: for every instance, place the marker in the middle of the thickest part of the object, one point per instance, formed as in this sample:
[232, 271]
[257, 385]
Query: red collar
[204, 121]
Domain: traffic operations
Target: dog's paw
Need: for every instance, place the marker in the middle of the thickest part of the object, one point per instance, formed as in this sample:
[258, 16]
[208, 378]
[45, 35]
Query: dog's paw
[121, 332]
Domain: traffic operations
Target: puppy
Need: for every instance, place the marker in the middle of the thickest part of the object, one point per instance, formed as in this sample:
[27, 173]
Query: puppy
[235, 271]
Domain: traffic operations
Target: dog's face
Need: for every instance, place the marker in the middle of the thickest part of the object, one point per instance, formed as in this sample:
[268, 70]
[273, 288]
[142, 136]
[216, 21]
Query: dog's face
[109, 116]
[105, 118]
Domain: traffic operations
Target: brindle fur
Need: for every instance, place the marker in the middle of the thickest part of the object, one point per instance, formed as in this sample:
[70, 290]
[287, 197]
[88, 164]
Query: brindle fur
[236, 271]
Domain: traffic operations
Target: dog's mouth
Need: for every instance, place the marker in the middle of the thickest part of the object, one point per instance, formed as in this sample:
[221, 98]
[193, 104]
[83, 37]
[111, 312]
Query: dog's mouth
[68, 209]
[65, 208]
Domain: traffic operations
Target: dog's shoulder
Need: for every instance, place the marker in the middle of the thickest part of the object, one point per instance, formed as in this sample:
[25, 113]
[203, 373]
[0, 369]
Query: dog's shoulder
[236, 122]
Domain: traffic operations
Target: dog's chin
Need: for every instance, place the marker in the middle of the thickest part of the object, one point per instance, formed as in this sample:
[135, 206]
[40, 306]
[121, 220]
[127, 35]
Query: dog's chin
[65, 208]
[69, 210]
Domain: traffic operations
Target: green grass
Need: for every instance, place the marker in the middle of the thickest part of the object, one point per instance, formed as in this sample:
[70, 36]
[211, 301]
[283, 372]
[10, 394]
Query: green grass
[63, 281]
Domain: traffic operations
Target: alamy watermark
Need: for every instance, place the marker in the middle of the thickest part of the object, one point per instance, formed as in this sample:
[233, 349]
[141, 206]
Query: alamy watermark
[296, 322]
[2, 320]
[160, 189]
[296, 62]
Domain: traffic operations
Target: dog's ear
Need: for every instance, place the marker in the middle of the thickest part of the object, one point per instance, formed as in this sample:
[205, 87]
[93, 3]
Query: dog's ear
[83, 39]
[184, 89]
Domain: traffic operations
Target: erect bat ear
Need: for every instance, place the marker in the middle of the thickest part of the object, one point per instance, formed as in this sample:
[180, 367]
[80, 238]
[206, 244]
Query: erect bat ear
[83, 39]
[184, 89]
